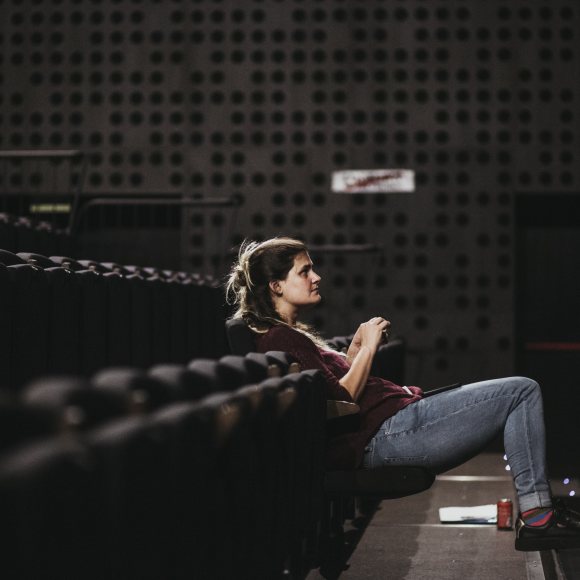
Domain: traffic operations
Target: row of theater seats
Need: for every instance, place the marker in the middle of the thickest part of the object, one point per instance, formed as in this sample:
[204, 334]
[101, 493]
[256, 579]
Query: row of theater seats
[65, 316]
[210, 470]
[25, 233]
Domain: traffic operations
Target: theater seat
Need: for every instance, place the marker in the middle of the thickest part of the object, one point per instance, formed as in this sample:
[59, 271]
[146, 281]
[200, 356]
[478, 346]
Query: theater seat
[253, 370]
[240, 337]
[185, 383]
[29, 302]
[49, 527]
[22, 424]
[381, 483]
[193, 491]
[94, 319]
[143, 392]
[6, 322]
[131, 465]
[7, 232]
[225, 377]
[64, 315]
[75, 402]
[341, 485]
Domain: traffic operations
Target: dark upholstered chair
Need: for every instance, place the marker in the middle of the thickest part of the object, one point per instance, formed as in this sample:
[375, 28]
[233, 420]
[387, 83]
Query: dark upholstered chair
[64, 313]
[385, 482]
[187, 385]
[76, 404]
[21, 424]
[143, 392]
[29, 303]
[131, 464]
[240, 337]
[94, 320]
[48, 527]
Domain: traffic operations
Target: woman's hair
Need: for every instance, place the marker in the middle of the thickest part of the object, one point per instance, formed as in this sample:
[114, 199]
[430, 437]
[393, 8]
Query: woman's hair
[248, 284]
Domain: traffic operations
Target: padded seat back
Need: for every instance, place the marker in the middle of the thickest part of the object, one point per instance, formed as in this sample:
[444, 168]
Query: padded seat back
[119, 340]
[193, 489]
[389, 361]
[94, 321]
[49, 525]
[241, 339]
[161, 320]
[143, 392]
[185, 383]
[178, 351]
[77, 404]
[252, 369]
[132, 479]
[23, 424]
[236, 484]
[64, 321]
[6, 322]
[194, 316]
[222, 377]
[30, 303]
[141, 297]
[7, 233]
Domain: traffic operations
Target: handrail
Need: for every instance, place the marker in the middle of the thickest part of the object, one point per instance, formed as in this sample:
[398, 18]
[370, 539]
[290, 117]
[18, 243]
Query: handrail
[344, 248]
[204, 202]
[40, 153]
[55, 154]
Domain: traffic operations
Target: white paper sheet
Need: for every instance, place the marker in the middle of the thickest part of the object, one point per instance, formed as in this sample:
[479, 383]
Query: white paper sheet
[477, 514]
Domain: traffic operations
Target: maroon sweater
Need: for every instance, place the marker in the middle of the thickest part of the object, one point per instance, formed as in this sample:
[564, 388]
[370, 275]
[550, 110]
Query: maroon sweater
[379, 400]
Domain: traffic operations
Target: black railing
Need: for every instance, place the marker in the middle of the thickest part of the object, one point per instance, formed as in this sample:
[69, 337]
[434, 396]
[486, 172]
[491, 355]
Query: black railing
[44, 188]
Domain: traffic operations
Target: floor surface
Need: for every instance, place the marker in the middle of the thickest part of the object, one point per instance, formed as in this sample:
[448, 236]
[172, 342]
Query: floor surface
[405, 540]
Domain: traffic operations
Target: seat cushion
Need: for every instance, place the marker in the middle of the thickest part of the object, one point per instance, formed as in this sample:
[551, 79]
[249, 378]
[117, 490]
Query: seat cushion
[384, 482]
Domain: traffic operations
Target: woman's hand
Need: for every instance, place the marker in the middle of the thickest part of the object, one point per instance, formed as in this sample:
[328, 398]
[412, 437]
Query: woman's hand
[360, 355]
[370, 334]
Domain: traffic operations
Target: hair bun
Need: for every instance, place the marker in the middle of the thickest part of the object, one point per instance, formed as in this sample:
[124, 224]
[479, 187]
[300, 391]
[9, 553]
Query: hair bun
[240, 276]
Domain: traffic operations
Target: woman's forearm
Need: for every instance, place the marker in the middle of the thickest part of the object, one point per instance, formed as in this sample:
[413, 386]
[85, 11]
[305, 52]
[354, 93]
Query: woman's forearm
[356, 378]
[352, 352]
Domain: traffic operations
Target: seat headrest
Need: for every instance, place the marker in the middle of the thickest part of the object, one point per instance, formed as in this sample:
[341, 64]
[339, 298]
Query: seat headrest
[240, 337]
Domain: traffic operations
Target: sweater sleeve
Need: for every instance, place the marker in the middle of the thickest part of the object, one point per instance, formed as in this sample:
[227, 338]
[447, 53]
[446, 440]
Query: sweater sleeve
[306, 353]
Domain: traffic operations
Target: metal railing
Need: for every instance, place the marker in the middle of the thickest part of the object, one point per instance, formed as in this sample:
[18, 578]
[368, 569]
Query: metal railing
[59, 195]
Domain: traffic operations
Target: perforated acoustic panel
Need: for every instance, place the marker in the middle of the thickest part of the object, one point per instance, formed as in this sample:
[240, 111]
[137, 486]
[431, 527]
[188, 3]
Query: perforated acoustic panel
[264, 99]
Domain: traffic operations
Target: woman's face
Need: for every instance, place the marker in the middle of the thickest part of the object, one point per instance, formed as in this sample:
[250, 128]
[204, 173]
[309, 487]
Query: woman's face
[300, 288]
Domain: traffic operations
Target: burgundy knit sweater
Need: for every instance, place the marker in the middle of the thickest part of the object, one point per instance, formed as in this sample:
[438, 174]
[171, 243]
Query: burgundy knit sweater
[379, 400]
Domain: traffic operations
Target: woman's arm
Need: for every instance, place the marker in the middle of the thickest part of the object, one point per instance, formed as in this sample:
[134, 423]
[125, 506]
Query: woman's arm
[306, 353]
[355, 343]
[356, 378]
[367, 339]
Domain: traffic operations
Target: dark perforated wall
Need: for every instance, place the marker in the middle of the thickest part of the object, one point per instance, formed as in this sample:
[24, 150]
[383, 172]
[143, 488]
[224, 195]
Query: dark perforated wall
[265, 98]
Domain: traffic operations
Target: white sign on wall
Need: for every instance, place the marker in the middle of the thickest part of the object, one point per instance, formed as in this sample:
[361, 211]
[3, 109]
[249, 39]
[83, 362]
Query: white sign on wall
[373, 181]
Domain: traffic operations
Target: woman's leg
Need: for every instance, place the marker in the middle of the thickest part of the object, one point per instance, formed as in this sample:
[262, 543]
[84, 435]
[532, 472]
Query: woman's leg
[445, 430]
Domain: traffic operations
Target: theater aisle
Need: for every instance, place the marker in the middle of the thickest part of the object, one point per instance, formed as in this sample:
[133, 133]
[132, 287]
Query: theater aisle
[405, 540]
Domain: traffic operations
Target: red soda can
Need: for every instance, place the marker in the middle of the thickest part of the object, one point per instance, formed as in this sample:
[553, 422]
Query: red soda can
[505, 514]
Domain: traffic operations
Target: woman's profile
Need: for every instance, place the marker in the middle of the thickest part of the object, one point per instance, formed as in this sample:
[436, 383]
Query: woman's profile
[274, 281]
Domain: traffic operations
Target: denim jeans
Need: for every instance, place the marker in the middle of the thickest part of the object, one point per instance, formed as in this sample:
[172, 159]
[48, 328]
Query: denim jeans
[447, 429]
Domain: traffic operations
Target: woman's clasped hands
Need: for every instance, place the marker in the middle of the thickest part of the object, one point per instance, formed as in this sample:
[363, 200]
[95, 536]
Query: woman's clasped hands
[370, 334]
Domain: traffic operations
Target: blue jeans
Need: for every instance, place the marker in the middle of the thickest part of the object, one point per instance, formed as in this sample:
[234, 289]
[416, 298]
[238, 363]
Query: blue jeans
[445, 430]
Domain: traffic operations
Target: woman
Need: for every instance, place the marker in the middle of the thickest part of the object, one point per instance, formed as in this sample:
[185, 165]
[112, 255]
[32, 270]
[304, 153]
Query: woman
[274, 281]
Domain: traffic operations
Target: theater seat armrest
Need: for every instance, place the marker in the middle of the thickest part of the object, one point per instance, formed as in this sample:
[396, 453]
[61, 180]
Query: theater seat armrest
[336, 409]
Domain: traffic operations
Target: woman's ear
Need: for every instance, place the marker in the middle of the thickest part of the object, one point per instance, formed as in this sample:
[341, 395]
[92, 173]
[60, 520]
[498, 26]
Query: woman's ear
[275, 287]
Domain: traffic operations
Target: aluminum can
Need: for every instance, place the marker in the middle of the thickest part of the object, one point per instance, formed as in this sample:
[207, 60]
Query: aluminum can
[505, 514]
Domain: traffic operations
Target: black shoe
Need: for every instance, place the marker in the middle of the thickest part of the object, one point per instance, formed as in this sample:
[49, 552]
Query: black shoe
[560, 533]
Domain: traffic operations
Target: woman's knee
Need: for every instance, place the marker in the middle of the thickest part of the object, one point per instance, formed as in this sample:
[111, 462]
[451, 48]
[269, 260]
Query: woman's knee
[524, 385]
